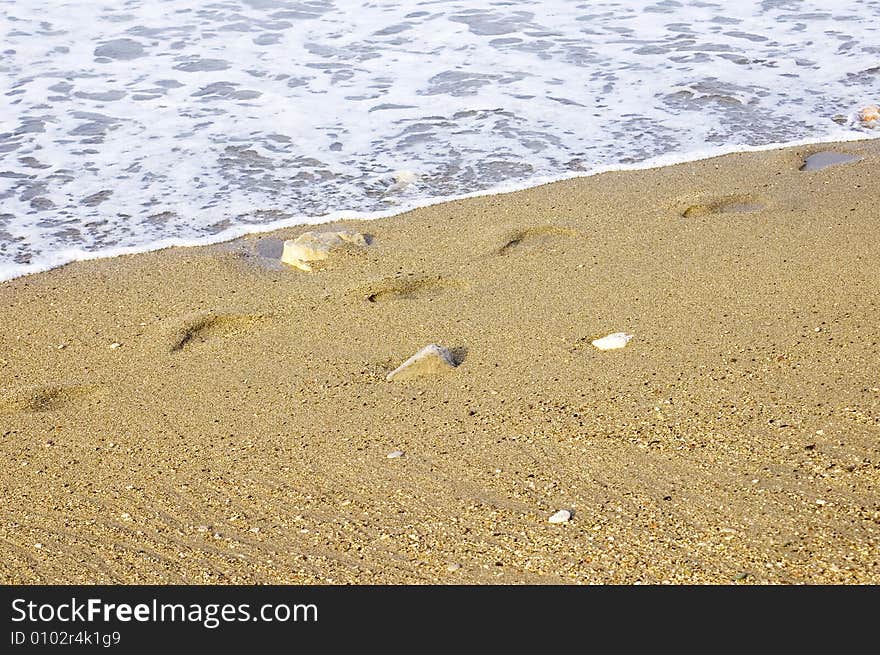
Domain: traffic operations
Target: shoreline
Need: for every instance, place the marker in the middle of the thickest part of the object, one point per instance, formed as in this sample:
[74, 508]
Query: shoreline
[242, 231]
[205, 415]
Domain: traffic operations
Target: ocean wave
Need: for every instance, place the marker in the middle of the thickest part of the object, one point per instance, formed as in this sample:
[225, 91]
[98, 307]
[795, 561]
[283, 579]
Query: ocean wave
[133, 127]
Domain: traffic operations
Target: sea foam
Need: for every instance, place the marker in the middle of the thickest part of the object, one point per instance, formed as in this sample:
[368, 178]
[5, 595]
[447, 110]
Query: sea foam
[133, 126]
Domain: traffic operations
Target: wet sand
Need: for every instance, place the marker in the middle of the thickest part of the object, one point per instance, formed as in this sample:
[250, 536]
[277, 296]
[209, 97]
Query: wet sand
[204, 415]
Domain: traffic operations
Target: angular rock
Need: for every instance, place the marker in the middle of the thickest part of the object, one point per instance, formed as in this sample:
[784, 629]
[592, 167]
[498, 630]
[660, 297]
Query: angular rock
[316, 246]
[612, 341]
[430, 360]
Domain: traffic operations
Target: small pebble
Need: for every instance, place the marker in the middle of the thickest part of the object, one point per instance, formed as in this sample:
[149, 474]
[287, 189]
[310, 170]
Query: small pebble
[562, 516]
[38, 545]
[453, 567]
[115, 345]
[819, 501]
[394, 454]
[255, 530]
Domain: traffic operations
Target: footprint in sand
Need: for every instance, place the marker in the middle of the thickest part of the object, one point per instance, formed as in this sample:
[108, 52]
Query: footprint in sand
[737, 204]
[200, 327]
[42, 398]
[825, 158]
[409, 288]
[533, 236]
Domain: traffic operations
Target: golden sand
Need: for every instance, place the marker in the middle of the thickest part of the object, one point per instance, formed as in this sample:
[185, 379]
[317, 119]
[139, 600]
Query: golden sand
[240, 428]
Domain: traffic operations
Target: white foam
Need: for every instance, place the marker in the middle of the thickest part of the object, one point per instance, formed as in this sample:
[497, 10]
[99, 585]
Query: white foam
[185, 123]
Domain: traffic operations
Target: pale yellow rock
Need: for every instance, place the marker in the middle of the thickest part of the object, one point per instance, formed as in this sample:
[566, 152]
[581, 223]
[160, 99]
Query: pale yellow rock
[869, 116]
[316, 246]
[430, 360]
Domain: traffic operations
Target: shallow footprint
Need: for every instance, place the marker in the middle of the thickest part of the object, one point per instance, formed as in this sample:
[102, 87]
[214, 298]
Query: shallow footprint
[42, 398]
[534, 236]
[724, 205]
[825, 158]
[406, 288]
[202, 326]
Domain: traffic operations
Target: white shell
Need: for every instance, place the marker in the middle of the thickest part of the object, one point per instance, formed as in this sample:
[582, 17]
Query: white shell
[612, 341]
[562, 516]
[394, 454]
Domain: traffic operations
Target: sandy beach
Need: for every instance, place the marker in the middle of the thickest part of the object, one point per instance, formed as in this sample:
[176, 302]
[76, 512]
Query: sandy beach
[207, 415]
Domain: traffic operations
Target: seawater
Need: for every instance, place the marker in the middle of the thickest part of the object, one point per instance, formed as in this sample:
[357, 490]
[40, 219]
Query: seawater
[137, 124]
